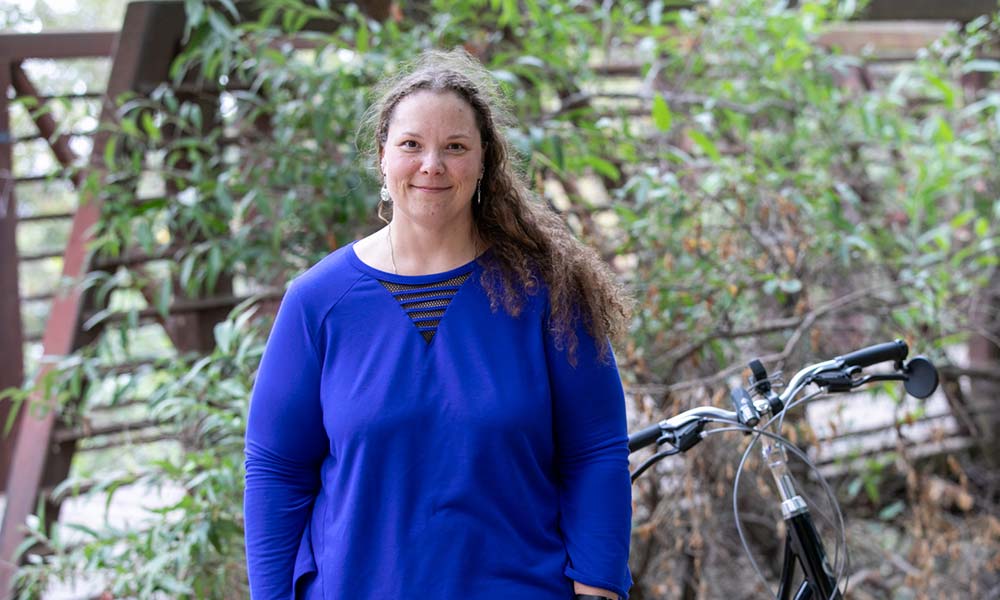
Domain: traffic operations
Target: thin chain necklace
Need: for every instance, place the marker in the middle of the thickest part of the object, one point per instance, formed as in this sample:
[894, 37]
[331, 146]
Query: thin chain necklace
[392, 250]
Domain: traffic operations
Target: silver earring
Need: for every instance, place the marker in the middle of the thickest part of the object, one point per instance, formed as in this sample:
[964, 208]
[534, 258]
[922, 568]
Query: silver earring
[479, 192]
[384, 194]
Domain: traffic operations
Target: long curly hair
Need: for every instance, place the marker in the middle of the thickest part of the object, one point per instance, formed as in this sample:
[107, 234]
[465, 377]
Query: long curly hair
[528, 239]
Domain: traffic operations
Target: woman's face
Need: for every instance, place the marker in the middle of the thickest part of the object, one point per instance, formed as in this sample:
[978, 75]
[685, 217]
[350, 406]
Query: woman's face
[432, 158]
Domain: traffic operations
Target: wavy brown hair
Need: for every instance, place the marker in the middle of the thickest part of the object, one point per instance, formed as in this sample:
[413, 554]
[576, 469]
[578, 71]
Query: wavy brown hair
[528, 239]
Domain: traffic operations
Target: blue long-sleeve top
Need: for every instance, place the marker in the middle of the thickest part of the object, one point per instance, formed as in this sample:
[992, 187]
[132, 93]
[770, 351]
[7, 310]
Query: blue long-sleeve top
[479, 464]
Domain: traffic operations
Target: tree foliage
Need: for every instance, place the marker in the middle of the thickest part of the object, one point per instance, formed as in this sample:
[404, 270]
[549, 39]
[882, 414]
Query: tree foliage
[753, 202]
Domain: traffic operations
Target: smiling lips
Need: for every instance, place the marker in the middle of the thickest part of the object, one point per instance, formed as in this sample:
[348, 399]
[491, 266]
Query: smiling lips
[431, 189]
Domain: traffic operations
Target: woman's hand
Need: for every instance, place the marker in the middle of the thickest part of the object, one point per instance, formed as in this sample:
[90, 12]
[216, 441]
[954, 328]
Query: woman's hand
[582, 588]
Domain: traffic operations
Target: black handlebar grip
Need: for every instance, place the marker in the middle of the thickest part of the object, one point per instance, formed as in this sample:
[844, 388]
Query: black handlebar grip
[894, 351]
[643, 437]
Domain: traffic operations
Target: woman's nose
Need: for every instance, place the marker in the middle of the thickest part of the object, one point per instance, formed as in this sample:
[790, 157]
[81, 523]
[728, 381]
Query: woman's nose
[432, 163]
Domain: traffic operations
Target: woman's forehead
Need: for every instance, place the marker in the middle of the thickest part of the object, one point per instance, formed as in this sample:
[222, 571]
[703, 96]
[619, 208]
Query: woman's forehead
[427, 109]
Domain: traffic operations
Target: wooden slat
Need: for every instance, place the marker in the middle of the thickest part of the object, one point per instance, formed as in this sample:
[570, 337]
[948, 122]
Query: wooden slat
[957, 10]
[887, 40]
[69, 44]
[11, 328]
[46, 124]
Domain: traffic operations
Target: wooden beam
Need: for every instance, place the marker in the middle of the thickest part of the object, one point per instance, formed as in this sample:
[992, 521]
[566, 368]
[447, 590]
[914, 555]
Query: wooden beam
[892, 40]
[954, 10]
[46, 123]
[11, 328]
[15, 47]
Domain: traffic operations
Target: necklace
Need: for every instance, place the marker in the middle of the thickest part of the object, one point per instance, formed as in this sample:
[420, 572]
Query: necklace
[392, 250]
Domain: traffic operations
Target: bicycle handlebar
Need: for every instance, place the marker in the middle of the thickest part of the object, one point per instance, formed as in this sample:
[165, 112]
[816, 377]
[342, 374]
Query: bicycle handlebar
[895, 351]
[644, 437]
[648, 435]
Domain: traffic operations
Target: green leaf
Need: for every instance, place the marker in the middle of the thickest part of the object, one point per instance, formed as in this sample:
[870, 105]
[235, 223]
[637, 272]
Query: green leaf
[150, 127]
[892, 510]
[17, 398]
[871, 489]
[224, 336]
[959, 220]
[129, 127]
[164, 296]
[509, 14]
[187, 275]
[706, 145]
[361, 35]
[230, 8]
[947, 90]
[194, 10]
[982, 65]
[854, 487]
[661, 113]
[603, 167]
[790, 286]
[110, 152]
[982, 227]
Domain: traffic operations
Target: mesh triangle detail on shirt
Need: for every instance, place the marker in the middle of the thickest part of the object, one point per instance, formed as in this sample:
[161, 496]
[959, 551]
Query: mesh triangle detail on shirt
[425, 303]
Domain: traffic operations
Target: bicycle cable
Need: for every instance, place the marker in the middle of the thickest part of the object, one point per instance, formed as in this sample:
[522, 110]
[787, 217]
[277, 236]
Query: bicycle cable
[652, 460]
[842, 573]
[758, 432]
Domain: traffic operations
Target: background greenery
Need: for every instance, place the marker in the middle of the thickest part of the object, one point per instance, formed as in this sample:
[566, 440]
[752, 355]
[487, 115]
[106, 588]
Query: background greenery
[754, 203]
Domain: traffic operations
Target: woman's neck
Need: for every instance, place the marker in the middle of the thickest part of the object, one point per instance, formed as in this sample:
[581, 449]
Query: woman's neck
[415, 250]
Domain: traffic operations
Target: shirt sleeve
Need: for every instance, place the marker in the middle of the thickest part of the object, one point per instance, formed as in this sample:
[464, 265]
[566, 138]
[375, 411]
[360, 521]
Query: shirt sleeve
[595, 493]
[285, 446]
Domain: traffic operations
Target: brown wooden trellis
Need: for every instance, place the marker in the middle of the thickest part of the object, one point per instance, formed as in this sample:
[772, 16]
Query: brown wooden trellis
[37, 456]
[141, 53]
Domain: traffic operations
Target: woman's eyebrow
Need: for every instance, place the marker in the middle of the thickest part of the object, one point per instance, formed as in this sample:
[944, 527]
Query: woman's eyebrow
[453, 136]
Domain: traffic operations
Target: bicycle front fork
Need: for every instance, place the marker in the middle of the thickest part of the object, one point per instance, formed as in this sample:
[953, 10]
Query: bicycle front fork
[802, 542]
[803, 545]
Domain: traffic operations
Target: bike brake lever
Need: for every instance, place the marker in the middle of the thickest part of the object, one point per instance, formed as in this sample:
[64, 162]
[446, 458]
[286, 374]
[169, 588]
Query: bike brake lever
[835, 381]
[685, 436]
[879, 377]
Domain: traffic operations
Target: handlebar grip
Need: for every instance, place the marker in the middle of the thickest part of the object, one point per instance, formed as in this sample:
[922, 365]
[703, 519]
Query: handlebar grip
[644, 437]
[894, 351]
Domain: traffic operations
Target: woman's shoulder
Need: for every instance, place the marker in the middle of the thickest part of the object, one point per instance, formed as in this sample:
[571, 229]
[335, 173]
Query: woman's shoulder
[326, 281]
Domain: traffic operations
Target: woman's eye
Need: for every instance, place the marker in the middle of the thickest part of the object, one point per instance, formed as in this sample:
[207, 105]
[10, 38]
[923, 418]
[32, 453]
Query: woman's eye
[456, 147]
[408, 144]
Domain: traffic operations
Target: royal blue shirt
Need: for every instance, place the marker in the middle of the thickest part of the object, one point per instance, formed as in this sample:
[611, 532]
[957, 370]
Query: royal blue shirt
[478, 465]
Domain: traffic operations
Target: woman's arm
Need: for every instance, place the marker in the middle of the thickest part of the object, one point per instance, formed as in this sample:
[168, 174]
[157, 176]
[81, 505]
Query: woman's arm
[591, 440]
[285, 446]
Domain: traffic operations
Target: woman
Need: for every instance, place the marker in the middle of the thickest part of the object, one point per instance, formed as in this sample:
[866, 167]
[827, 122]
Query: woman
[433, 417]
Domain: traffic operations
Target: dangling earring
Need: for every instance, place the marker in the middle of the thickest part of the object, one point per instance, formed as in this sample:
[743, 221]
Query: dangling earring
[383, 200]
[479, 192]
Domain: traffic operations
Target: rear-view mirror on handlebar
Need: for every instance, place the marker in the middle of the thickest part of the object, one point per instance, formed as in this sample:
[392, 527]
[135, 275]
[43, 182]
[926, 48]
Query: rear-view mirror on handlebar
[921, 377]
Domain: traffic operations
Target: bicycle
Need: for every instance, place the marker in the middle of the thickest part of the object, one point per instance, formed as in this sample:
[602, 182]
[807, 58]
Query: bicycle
[759, 401]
